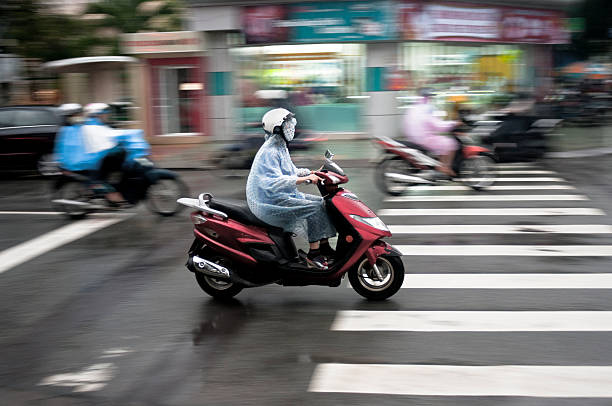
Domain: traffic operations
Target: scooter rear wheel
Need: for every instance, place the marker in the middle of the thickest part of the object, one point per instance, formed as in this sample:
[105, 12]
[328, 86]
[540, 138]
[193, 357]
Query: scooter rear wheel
[217, 288]
[478, 172]
[365, 282]
[71, 190]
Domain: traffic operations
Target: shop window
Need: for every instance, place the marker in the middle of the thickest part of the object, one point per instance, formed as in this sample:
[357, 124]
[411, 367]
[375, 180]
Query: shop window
[179, 99]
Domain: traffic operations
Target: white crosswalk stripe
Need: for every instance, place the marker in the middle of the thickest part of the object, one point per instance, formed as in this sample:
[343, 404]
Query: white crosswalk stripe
[509, 211]
[508, 281]
[460, 380]
[546, 231]
[484, 198]
[449, 321]
[438, 188]
[502, 229]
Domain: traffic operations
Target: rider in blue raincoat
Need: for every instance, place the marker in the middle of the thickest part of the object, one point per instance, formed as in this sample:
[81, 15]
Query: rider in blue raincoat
[95, 149]
[272, 193]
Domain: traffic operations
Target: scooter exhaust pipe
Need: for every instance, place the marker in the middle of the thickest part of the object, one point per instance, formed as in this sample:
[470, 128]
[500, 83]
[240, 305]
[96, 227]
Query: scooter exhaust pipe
[406, 178]
[197, 264]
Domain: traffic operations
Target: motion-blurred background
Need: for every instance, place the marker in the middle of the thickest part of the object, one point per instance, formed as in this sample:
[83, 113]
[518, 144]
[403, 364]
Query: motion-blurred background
[204, 72]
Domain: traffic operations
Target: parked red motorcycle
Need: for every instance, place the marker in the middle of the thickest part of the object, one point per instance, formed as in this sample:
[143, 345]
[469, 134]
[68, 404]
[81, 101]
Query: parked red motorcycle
[406, 164]
[233, 249]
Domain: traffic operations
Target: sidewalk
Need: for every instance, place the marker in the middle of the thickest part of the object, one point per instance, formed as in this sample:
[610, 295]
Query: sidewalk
[357, 151]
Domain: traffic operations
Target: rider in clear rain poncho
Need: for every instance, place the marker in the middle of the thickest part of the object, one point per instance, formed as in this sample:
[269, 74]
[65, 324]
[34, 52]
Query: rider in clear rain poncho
[272, 193]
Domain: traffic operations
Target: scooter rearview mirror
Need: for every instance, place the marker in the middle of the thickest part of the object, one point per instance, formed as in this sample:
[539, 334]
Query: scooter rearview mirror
[329, 154]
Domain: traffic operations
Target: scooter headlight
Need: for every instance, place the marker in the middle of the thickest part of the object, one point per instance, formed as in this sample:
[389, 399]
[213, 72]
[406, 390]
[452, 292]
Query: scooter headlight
[371, 221]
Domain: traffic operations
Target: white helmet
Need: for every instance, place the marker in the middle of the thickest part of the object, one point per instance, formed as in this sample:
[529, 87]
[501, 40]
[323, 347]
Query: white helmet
[280, 121]
[95, 109]
[70, 109]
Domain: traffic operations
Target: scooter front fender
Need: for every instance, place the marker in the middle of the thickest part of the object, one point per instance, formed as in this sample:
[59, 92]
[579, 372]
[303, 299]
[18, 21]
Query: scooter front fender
[381, 248]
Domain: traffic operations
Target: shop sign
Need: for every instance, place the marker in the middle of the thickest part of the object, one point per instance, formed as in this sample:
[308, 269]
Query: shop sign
[450, 23]
[321, 22]
[465, 22]
[162, 42]
[543, 27]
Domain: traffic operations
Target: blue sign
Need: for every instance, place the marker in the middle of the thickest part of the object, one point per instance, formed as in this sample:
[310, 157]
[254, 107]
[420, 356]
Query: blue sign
[341, 21]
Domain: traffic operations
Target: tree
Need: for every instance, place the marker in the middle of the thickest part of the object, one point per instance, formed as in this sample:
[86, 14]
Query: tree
[125, 16]
[32, 32]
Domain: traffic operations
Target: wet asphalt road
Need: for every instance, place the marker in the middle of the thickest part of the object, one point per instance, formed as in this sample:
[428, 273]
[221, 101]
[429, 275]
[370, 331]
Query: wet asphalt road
[115, 318]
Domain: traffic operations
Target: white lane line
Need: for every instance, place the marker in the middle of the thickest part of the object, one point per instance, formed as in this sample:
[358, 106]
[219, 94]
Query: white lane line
[510, 211]
[508, 281]
[25, 251]
[34, 213]
[484, 198]
[458, 380]
[90, 379]
[494, 187]
[524, 172]
[524, 165]
[507, 250]
[502, 229]
[474, 321]
[524, 179]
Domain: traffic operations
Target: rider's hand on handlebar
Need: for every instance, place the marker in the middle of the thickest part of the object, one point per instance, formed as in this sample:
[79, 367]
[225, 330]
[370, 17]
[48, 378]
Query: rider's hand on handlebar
[312, 178]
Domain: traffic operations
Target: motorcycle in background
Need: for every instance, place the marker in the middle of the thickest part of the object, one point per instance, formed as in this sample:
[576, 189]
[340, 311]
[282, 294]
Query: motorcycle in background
[406, 164]
[76, 194]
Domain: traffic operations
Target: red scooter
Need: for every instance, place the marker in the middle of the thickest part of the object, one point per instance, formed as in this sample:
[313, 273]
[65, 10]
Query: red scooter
[233, 249]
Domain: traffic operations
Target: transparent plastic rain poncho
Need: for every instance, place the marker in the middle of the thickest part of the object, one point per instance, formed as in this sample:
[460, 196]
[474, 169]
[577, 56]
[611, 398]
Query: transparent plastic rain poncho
[273, 196]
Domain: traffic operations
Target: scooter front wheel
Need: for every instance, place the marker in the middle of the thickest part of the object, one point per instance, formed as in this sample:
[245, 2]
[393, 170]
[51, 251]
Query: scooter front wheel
[394, 166]
[377, 285]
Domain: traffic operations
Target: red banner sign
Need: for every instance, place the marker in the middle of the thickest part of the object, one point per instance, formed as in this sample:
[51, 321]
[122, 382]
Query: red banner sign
[467, 22]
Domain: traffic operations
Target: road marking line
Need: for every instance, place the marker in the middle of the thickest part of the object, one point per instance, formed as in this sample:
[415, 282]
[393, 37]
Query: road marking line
[517, 166]
[90, 379]
[458, 380]
[25, 251]
[494, 187]
[502, 229]
[507, 250]
[508, 281]
[484, 198]
[511, 211]
[473, 321]
[524, 172]
[525, 179]
[34, 213]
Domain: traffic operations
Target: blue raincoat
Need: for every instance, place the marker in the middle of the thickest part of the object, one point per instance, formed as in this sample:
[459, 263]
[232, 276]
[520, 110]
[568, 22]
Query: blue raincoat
[273, 197]
[74, 153]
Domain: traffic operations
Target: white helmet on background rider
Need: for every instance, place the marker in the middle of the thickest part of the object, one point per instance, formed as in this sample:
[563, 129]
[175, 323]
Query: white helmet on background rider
[96, 109]
[280, 121]
[70, 109]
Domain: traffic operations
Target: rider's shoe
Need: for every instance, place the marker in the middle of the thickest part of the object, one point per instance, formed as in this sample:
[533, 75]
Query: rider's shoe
[314, 259]
[328, 252]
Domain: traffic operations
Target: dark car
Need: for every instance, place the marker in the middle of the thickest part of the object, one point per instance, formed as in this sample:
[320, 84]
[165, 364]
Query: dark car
[27, 135]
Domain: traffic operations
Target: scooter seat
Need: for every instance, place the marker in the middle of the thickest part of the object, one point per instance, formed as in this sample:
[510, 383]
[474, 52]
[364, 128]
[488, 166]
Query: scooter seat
[239, 210]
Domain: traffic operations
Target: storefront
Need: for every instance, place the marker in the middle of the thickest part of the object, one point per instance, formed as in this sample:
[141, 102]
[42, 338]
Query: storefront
[362, 62]
[170, 84]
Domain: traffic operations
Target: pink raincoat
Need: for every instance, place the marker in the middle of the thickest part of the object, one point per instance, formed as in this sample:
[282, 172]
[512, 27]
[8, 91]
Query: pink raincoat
[422, 127]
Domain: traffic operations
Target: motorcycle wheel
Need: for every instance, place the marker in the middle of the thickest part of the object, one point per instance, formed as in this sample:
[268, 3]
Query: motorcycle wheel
[218, 288]
[365, 282]
[162, 196]
[393, 165]
[477, 172]
[71, 190]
